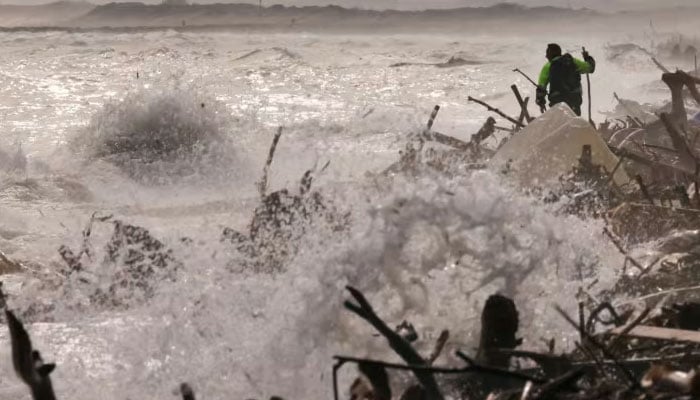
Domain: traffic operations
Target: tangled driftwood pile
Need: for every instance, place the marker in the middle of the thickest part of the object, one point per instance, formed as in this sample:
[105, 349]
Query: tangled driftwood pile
[282, 219]
[623, 352]
[638, 358]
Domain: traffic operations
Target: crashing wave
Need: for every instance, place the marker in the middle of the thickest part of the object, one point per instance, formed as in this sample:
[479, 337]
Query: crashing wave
[157, 136]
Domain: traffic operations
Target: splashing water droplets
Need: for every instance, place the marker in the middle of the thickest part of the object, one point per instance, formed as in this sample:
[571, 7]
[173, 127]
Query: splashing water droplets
[161, 299]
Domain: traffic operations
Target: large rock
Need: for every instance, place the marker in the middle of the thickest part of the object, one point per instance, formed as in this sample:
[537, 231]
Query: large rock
[551, 146]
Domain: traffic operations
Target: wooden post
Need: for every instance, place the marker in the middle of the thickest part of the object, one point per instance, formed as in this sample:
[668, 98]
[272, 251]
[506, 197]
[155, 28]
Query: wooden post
[524, 114]
[499, 325]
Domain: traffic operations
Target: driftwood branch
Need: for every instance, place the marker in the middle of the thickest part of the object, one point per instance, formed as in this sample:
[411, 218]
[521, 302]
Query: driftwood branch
[606, 352]
[365, 311]
[439, 345]
[377, 376]
[441, 138]
[660, 66]
[604, 306]
[486, 131]
[524, 113]
[262, 186]
[628, 328]
[471, 367]
[27, 362]
[474, 367]
[622, 250]
[433, 115]
[449, 141]
[497, 111]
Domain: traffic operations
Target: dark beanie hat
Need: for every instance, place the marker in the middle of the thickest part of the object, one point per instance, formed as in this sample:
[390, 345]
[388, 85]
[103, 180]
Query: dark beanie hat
[553, 50]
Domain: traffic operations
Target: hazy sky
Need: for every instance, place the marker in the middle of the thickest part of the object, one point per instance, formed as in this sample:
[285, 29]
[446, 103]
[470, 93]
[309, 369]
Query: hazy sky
[417, 4]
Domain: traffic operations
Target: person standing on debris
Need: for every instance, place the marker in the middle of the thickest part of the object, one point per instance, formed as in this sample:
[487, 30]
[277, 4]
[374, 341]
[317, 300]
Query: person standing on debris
[563, 75]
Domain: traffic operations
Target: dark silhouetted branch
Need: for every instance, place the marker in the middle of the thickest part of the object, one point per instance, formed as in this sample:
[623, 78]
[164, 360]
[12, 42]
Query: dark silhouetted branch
[604, 306]
[262, 186]
[377, 376]
[606, 352]
[27, 362]
[472, 367]
[497, 111]
[433, 115]
[439, 345]
[661, 66]
[628, 328]
[365, 311]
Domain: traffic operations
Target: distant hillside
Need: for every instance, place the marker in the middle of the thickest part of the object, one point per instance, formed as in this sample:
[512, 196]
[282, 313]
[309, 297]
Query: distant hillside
[138, 14]
[504, 17]
[53, 14]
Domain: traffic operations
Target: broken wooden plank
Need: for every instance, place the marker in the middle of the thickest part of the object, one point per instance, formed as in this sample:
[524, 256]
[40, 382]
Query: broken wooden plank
[655, 332]
[450, 141]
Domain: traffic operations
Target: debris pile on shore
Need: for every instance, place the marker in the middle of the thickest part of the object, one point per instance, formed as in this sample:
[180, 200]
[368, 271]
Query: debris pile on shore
[638, 174]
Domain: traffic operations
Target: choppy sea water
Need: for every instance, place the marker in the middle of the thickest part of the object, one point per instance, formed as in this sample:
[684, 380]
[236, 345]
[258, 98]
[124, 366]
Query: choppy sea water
[428, 249]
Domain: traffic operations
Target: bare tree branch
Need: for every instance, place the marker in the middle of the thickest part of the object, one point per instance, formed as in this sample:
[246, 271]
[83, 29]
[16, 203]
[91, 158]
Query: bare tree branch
[365, 311]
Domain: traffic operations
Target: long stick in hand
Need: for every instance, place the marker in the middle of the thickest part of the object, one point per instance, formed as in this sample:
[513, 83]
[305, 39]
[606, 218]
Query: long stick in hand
[588, 82]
